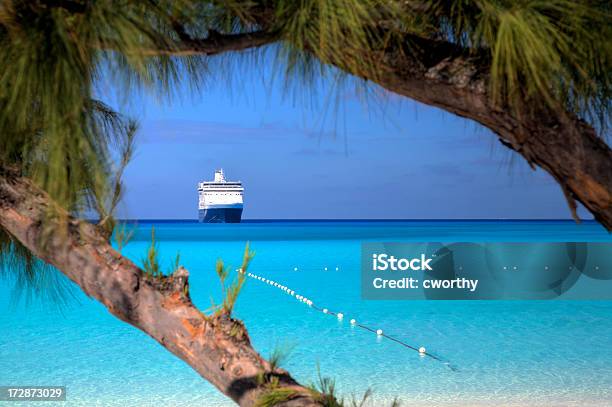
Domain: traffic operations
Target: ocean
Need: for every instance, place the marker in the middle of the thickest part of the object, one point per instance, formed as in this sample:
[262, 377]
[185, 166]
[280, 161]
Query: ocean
[504, 353]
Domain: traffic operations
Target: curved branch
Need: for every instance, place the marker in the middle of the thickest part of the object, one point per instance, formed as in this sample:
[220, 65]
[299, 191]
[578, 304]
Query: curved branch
[441, 74]
[557, 141]
[217, 347]
[215, 43]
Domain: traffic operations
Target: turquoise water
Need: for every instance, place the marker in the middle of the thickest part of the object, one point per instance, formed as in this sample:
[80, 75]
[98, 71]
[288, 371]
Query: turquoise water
[556, 353]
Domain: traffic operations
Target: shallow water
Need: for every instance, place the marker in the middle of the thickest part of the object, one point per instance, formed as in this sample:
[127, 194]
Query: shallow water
[506, 352]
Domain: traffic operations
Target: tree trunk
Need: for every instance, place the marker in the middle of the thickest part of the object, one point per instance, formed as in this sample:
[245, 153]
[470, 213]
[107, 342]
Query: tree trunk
[440, 74]
[444, 75]
[217, 347]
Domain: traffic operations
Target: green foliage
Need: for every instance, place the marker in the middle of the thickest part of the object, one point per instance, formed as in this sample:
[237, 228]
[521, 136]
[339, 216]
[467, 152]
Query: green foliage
[325, 392]
[231, 291]
[107, 199]
[55, 57]
[58, 56]
[274, 393]
[279, 355]
[122, 235]
[32, 277]
[329, 30]
[150, 263]
[274, 396]
[553, 52]
[175, 264]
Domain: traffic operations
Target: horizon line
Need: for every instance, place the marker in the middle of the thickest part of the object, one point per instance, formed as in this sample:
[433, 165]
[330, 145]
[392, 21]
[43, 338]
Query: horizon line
[255, 220]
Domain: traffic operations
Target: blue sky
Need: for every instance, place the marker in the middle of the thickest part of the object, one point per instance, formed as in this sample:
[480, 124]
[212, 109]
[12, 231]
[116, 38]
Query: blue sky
[339, 157]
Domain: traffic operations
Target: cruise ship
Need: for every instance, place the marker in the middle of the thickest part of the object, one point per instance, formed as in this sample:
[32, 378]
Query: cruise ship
[220, 200]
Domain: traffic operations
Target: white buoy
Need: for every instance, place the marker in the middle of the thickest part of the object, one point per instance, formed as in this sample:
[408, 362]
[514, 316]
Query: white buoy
[337, 268]
[325, 268]
[295, 269]
[353, 322]
[340, 315]
[325, 310]
[379, 332]
[422, 349]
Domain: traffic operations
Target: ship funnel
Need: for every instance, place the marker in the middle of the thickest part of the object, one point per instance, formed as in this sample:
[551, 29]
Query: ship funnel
[219, 177]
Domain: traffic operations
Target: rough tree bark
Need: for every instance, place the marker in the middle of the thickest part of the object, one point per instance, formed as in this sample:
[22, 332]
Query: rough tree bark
[217, 347]
[442, 75]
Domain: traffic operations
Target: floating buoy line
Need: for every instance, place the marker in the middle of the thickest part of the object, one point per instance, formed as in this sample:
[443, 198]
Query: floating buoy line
[422, 351]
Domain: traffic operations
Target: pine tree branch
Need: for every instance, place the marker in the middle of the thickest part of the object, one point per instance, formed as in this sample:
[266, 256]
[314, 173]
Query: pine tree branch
[215, 43]
[217, 347]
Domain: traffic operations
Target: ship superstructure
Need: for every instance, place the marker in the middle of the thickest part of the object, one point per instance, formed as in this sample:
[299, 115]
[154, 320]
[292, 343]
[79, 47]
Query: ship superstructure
[220, 200]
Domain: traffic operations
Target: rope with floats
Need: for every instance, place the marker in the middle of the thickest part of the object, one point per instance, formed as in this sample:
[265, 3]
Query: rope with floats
[422, 351]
